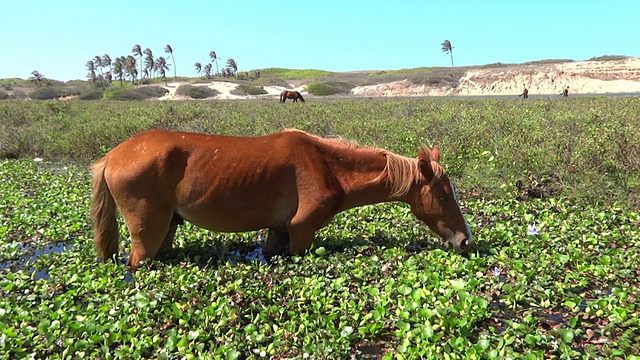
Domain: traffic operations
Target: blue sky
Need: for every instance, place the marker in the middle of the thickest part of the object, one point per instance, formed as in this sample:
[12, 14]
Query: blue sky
[57, 38]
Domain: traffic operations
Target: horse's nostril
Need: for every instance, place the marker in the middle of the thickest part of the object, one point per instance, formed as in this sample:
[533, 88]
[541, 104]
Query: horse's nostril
[463, 243]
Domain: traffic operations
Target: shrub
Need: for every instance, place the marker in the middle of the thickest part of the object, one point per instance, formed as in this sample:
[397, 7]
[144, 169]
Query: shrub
[152, 91]
[196, 92]
[3, 95]
[129, 93]
[19, 94]
[92, 94]
[47, 93]
[250, 90]
[330, 88]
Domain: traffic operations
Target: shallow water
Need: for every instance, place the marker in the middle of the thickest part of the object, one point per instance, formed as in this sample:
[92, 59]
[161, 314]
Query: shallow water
[31, 253]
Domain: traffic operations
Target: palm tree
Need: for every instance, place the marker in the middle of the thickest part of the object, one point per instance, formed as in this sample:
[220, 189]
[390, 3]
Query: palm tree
[169, 50]
[97, 61]
[233, 66]
[118, 68]
[161, 65]
[214, 58]
[207, 70]
[130, 68]
[106, 61]
[198, 68]
[148, 61]
[91, 68]
[447, 48]
[137, 51]
[37, 78]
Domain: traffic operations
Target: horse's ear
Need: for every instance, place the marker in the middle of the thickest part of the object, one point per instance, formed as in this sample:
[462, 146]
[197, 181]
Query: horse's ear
[435, 153]
[429, 154]
[424, 163]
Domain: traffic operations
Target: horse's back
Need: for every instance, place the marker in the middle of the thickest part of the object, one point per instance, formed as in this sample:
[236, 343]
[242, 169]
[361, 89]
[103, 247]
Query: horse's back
[166, 150]
[217, 182]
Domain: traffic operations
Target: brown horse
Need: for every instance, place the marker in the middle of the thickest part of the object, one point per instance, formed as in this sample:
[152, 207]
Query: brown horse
[290, 182]
[286, 94]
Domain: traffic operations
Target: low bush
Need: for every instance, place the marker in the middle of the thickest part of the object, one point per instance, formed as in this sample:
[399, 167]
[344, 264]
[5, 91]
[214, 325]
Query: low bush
[129, 93]
[48, 93]
[249, 90]
[328, 88]
[92, 94]
[3, 95]
[196, 92]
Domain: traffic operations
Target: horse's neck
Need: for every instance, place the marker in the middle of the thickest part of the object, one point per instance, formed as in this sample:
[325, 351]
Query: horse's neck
[361, 173]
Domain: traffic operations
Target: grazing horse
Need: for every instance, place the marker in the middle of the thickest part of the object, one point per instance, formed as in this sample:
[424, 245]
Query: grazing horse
[286, 94]
[289, 182]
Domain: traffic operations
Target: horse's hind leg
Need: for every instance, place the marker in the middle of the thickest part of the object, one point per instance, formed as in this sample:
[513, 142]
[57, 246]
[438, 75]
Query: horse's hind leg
[149, 231]
[276, 243]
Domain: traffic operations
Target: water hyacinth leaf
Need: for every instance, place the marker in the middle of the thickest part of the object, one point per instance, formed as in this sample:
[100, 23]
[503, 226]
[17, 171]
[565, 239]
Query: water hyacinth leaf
[403, 326]
[567, 335]
[233, 355]
[458, 284]
[570, 304]
[404, 289]
[531, 339]
[346, 331]
[484, 343]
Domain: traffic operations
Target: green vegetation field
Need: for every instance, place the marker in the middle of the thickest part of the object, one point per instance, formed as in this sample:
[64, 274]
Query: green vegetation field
[550, 187]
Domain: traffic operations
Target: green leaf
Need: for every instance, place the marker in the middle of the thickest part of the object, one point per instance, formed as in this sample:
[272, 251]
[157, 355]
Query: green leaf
[403, 326]
[404, 289]
[233, 354]
[567, 335]
[346, 331]
[484, 343]
[458, 284]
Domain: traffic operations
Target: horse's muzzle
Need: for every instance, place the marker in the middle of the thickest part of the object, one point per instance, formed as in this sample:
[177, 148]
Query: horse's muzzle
[460, 241]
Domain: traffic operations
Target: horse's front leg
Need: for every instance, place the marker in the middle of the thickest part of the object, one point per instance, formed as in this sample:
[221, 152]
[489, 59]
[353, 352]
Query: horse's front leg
[167, 243]
[276, 243]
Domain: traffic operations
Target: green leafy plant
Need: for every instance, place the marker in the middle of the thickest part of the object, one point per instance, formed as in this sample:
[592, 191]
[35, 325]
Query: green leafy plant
[554, 276]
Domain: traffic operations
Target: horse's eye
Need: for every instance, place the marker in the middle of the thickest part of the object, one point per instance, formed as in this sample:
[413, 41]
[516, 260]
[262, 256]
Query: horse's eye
[442, 198]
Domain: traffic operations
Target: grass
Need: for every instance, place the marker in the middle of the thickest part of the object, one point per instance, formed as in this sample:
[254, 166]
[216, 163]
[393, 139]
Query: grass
[549, 278]
[293, 74]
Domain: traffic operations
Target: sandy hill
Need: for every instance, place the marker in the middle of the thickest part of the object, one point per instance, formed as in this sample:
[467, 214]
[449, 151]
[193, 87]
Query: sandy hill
[582, 77]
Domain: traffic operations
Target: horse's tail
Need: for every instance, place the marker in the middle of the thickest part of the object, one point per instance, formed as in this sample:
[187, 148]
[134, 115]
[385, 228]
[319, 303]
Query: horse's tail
[301, 98]
[103, 212]
[282, 96]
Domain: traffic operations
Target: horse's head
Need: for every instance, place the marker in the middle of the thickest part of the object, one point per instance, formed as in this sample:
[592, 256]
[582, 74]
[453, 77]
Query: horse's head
[433, 200]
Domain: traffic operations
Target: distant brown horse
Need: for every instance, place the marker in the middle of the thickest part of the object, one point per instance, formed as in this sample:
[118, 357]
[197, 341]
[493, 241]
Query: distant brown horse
[289, 182]
[525, 93]
[286, 94]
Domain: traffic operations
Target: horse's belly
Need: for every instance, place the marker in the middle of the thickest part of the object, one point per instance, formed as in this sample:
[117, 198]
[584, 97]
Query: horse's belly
[223, 218]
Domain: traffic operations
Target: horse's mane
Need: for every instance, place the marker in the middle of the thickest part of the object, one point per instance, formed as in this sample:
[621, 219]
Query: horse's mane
[401, 171]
